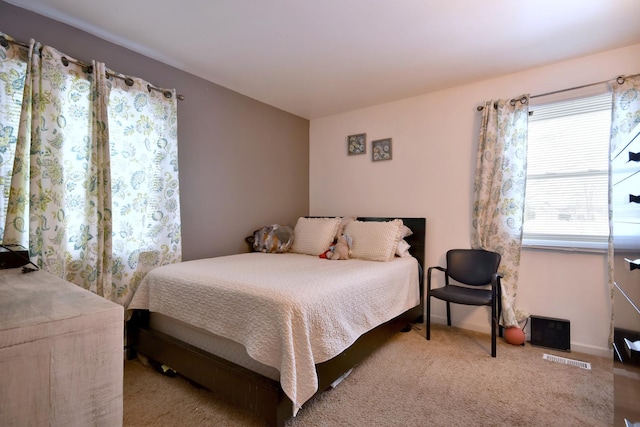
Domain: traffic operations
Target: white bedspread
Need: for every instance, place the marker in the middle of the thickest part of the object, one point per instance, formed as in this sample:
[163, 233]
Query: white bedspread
[290, 311]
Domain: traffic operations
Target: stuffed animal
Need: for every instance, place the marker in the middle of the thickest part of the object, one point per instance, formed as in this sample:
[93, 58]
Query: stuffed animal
[342, 248]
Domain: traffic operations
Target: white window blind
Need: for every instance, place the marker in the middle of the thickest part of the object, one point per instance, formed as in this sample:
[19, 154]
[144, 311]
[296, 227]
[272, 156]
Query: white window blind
[567, 174]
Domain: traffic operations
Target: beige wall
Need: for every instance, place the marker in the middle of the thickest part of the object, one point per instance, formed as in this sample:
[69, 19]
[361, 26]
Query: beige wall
[243, 164]
[431, 175]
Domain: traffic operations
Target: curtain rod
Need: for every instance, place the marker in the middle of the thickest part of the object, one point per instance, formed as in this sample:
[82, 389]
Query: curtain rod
[88, 68]
[619, 79]
[4, 42]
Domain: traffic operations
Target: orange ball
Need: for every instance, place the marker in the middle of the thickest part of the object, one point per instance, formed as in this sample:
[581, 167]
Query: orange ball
[514, 335]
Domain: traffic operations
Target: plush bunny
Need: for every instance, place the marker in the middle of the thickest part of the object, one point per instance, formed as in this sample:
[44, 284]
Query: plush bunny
[342, 248]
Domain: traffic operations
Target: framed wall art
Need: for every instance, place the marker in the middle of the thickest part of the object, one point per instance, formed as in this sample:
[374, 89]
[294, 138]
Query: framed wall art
[381, 149]
[357, 144]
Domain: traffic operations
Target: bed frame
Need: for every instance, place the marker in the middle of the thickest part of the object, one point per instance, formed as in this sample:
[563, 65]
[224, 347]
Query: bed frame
[249, 390]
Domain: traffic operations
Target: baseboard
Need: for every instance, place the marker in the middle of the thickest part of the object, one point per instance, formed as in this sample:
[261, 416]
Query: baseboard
[576, 347]
[470, 326]
[592, 350]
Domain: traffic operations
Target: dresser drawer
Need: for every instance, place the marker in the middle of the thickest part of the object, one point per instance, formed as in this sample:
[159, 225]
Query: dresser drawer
[626, 199]
[626, 236]
[626, 162]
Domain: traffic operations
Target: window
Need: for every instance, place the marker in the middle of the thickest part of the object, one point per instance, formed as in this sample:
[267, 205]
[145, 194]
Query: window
[566, 202]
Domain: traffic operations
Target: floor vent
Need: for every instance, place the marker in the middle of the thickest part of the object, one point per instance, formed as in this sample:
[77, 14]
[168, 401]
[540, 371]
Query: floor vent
[564, 360]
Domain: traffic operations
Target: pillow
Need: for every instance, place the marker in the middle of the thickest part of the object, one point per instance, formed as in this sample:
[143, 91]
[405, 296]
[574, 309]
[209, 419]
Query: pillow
[343, 223]
[312, 236]
[375, 241]
[406, 231]
[272, 238]
[403, 248]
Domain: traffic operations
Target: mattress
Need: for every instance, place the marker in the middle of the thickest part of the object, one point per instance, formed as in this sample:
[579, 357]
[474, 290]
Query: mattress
[289, 311]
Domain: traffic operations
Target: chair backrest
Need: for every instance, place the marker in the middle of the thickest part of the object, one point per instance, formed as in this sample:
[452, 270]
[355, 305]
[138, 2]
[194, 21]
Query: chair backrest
[474, 267]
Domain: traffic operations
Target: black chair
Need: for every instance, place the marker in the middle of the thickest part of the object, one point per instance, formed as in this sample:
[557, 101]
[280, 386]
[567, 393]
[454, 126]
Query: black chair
[476, 269]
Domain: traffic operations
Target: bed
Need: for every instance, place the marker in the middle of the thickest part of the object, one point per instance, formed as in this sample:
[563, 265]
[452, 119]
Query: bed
[270, 347]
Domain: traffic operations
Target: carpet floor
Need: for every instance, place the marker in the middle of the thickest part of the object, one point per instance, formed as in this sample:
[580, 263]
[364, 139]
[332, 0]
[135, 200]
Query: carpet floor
[451, 380]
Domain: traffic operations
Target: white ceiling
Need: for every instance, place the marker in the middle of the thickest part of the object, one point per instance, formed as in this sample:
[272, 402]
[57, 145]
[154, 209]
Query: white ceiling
[319, 57]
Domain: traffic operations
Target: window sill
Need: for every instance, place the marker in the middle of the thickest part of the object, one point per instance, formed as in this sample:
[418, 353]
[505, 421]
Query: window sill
[565, 246]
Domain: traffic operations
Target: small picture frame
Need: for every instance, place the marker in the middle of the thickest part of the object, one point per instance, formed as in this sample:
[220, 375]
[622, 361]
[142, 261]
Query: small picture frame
[357, 144]
[381, 149]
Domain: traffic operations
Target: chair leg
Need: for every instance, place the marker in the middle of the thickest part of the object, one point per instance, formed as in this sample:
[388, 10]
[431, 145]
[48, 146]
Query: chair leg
[428, 320]
[494, 326]
[499, 312]
[448, 314]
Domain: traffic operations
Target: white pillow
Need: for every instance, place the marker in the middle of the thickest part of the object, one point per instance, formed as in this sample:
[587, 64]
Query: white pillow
[375, 241]
[343, 223]
[403, 248]
[313, 236]
[406, 231]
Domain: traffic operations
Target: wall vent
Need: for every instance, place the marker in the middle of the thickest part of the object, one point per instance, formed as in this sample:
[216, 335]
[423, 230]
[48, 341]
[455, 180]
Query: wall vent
[551, 332]
[564, 360]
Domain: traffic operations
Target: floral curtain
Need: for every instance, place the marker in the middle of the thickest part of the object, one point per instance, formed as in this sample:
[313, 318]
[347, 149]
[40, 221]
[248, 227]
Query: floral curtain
[13, 65]
[625, 115]
[499, 192]
[94, 193]
[143, 136]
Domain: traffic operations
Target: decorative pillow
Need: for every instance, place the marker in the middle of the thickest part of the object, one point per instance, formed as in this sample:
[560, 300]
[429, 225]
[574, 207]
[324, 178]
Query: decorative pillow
[272, 238]
[344, 221]
[406, 231]
[375, 241]
[312, 236]
[403, 248]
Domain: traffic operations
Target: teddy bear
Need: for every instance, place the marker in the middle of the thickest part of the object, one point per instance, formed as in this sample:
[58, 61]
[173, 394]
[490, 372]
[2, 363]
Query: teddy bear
[342, 248]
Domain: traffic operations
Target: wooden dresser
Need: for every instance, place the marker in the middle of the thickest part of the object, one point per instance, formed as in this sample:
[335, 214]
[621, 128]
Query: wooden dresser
[626, 308]
[61, 353]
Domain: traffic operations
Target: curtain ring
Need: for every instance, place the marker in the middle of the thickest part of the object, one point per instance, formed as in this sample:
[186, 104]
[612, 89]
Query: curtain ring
[620, 80]
[522, 100]
[128, 81]
[167, 93]
[65, 61]
[3, 42]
